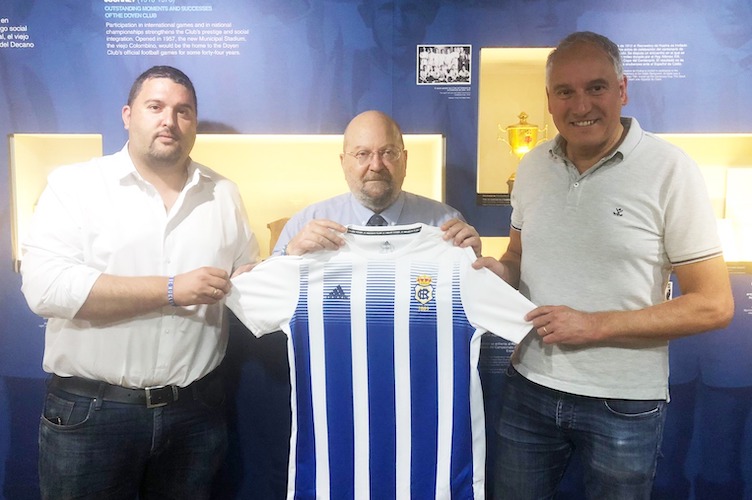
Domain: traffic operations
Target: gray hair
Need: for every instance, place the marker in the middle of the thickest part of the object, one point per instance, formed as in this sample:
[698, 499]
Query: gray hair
[587, 37]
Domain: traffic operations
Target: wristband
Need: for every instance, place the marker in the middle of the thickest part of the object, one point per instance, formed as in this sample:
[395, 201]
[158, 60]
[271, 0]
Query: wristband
[171, 291]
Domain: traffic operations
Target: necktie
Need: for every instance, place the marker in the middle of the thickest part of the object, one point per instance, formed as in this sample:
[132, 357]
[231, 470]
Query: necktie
[376, 220]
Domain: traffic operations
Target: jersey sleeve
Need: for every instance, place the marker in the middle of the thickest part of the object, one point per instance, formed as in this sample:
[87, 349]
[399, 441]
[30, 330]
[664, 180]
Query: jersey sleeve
[265, 298]
[494, 306]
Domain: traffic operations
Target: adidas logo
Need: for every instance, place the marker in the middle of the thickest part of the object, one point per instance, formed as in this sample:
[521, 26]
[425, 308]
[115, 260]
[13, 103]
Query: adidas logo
[337, 293]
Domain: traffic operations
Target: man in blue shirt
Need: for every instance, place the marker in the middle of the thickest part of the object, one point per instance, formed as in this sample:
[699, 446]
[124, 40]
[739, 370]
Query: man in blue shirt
[374, 161]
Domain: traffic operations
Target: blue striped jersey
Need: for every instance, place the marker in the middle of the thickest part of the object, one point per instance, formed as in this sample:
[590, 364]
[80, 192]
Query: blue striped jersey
[384, 340]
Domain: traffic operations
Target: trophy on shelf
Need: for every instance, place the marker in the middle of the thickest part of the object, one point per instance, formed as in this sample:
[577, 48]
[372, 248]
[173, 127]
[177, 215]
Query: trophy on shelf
[521, 138]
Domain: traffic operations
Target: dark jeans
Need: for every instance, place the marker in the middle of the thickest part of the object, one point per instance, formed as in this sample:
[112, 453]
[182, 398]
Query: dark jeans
[539, 428]
[108, 450]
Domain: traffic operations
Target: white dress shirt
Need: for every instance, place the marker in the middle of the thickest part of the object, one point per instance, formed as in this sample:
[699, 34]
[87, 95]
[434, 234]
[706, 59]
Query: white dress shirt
[101, 216]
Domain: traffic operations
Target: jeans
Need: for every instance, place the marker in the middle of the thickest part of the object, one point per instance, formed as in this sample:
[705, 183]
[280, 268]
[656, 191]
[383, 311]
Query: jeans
[104, 450]
[539, 429]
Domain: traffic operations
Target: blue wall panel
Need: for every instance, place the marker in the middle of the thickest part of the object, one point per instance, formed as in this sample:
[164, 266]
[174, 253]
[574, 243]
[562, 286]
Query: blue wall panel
[308, 66]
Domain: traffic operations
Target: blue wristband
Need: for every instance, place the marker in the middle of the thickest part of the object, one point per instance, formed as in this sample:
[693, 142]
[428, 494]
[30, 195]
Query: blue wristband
[171, 291]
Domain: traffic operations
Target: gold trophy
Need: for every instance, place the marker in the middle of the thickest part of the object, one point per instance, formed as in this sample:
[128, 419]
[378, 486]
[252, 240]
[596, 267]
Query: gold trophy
[521, 138]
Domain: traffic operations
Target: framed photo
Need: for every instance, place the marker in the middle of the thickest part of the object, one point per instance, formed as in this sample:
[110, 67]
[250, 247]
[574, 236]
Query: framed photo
[444, 64]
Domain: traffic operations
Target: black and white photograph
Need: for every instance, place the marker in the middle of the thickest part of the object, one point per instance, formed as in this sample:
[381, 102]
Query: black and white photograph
[444, 64]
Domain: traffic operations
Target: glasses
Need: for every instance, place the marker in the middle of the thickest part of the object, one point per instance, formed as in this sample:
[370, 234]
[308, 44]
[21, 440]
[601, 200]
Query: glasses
[388, 155]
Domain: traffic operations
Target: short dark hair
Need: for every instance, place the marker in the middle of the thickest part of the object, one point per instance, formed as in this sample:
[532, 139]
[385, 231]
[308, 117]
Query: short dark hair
[173, 74]
[588, 37]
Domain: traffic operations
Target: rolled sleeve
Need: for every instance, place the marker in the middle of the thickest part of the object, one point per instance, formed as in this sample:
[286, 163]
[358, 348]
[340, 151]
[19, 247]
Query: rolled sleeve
[55, 292]
[56, 282]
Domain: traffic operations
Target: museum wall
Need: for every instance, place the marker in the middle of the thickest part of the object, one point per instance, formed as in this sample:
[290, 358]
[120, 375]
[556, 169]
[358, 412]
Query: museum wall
[307, 67]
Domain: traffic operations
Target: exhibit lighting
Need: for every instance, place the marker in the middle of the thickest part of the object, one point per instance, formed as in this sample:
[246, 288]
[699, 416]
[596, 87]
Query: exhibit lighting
[521, 138]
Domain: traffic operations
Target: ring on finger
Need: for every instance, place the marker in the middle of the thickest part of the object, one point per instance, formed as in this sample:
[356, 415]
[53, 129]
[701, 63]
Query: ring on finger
[214, 293]
[545, 331]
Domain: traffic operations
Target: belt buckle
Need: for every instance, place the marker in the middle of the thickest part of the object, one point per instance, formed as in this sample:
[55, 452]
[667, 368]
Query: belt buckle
[156, 399]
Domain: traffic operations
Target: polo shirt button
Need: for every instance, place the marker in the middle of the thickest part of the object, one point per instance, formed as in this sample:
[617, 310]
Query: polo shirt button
[576, 184]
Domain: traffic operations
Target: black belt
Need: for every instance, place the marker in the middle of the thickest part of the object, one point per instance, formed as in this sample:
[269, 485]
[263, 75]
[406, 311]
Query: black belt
[151, 397]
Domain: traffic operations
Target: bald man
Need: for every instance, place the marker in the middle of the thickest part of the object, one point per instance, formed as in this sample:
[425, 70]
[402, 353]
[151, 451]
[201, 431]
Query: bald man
[374, 161]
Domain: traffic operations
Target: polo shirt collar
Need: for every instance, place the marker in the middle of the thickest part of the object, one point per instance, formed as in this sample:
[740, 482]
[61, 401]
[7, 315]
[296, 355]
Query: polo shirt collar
[631, 139]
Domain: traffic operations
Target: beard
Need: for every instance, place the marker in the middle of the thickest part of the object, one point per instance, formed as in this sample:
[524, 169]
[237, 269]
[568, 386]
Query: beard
[377, 197]
[167, 154]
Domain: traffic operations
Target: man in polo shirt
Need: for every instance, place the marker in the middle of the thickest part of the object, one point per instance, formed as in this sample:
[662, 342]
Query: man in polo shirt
[602, 214]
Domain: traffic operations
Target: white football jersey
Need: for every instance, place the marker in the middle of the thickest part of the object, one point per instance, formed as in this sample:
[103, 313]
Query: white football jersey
[384, 340]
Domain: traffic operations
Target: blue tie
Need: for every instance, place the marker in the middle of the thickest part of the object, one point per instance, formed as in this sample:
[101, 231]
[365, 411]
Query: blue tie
[376, 220]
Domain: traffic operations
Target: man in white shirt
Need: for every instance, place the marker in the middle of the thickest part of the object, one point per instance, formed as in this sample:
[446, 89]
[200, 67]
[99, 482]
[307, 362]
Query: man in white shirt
[130, 257]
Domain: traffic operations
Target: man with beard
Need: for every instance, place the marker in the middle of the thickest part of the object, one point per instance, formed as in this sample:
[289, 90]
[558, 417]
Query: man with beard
[130, 257]
[374, 161]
